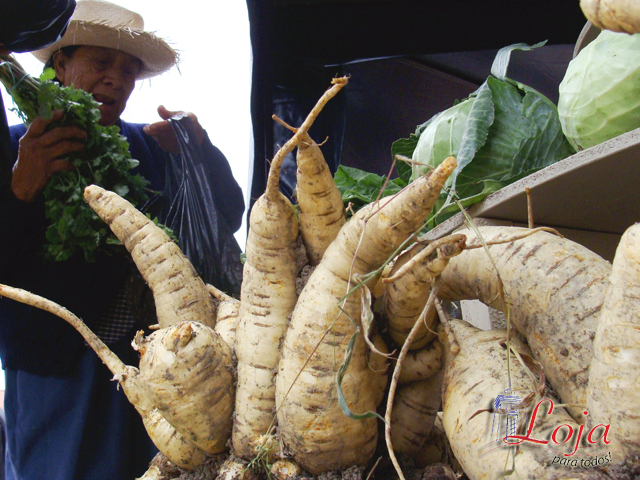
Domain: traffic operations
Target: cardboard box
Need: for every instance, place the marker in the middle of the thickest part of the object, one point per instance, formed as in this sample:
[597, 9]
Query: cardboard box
[590, 197]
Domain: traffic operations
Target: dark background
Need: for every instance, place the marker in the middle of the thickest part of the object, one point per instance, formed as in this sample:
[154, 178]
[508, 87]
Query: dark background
[407, 60]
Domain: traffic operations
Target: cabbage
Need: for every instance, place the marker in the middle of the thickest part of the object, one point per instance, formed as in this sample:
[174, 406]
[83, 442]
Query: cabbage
[599, 96]
[441, 137]
[504, 131]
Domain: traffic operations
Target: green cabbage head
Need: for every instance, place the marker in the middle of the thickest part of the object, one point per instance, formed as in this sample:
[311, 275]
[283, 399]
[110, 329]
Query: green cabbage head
[599, 96]
[441, 137]
[502, 132]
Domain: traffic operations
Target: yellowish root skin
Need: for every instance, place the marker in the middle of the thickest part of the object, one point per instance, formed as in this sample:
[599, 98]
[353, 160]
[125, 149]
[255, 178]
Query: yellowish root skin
[228, 315]
[404, 301]
[415, 408]
[554, 289]
[311, 422]
[187, 371]
[616, 15]
[473, 380]
[405, 297]
[268, 296]
[169, 441]
[421, 364]
[285, 469]
[378, 362]
[436, 448]
[179, 293]
[613, 397]
[173, 445]
[235, 469]
[319, 200]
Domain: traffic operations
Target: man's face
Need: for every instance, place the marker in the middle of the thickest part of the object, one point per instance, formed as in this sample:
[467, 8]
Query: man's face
[108, 74]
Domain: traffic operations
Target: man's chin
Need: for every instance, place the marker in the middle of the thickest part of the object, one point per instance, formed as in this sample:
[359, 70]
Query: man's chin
[108, 116]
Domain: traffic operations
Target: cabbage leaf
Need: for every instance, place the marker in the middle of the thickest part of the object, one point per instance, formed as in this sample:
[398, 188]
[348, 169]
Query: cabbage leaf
[359, 188]
[511, 131]
[502, 132]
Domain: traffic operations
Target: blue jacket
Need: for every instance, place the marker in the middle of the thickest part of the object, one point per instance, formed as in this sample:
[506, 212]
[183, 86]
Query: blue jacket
[36, 341]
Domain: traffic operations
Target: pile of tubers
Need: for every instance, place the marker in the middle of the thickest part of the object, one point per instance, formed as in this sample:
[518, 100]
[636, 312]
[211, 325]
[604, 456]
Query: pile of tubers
[302, 384]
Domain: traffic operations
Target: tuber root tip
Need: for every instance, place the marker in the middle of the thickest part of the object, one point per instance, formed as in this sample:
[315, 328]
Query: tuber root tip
[93, 192]
[180, 337]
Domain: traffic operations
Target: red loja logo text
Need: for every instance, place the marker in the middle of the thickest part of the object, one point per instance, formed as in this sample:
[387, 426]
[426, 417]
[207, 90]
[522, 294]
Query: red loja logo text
[559, 431]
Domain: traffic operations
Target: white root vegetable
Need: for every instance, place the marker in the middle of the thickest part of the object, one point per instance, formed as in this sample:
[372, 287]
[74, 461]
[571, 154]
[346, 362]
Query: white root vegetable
[421, 364]
[555, 290]
[179, 293]
[616, 15]
[320, 206]
[613, 397]
[268, 296]
[285, 470]
[176, 447]
[408, 285]
[187, 367]
[403, 302]
[311, 422]
[436, 448]
[267, 448]
[391, 399]
[379, 364]
[188, 372]
[235, 469]
[153, 473]
[473, 380]
[173, 445]
[414, 413]
[227, 316]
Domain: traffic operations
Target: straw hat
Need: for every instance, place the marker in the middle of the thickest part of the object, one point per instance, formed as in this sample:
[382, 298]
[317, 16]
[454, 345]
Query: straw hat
[103, 24]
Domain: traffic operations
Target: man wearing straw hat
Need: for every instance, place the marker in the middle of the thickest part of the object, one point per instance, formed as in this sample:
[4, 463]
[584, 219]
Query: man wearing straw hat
[65, 417]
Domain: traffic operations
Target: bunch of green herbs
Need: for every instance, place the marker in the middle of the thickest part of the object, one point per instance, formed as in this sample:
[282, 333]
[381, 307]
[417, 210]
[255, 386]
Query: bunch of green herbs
[105, 160]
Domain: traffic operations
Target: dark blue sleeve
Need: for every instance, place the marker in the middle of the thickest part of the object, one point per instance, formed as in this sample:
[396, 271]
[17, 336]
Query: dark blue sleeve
[27, 25]
[15, 216]
[228, 194]
[147, 151]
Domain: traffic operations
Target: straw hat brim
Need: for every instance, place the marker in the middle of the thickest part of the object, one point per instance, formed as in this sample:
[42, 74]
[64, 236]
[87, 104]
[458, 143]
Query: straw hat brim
[155, 54]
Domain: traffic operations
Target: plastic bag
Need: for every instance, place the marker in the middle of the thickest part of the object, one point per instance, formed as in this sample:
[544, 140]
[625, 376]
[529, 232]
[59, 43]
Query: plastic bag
[190, 211]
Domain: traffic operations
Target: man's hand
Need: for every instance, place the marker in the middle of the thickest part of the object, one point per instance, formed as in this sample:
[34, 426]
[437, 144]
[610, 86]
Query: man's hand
[41, 154]
[163, 133]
